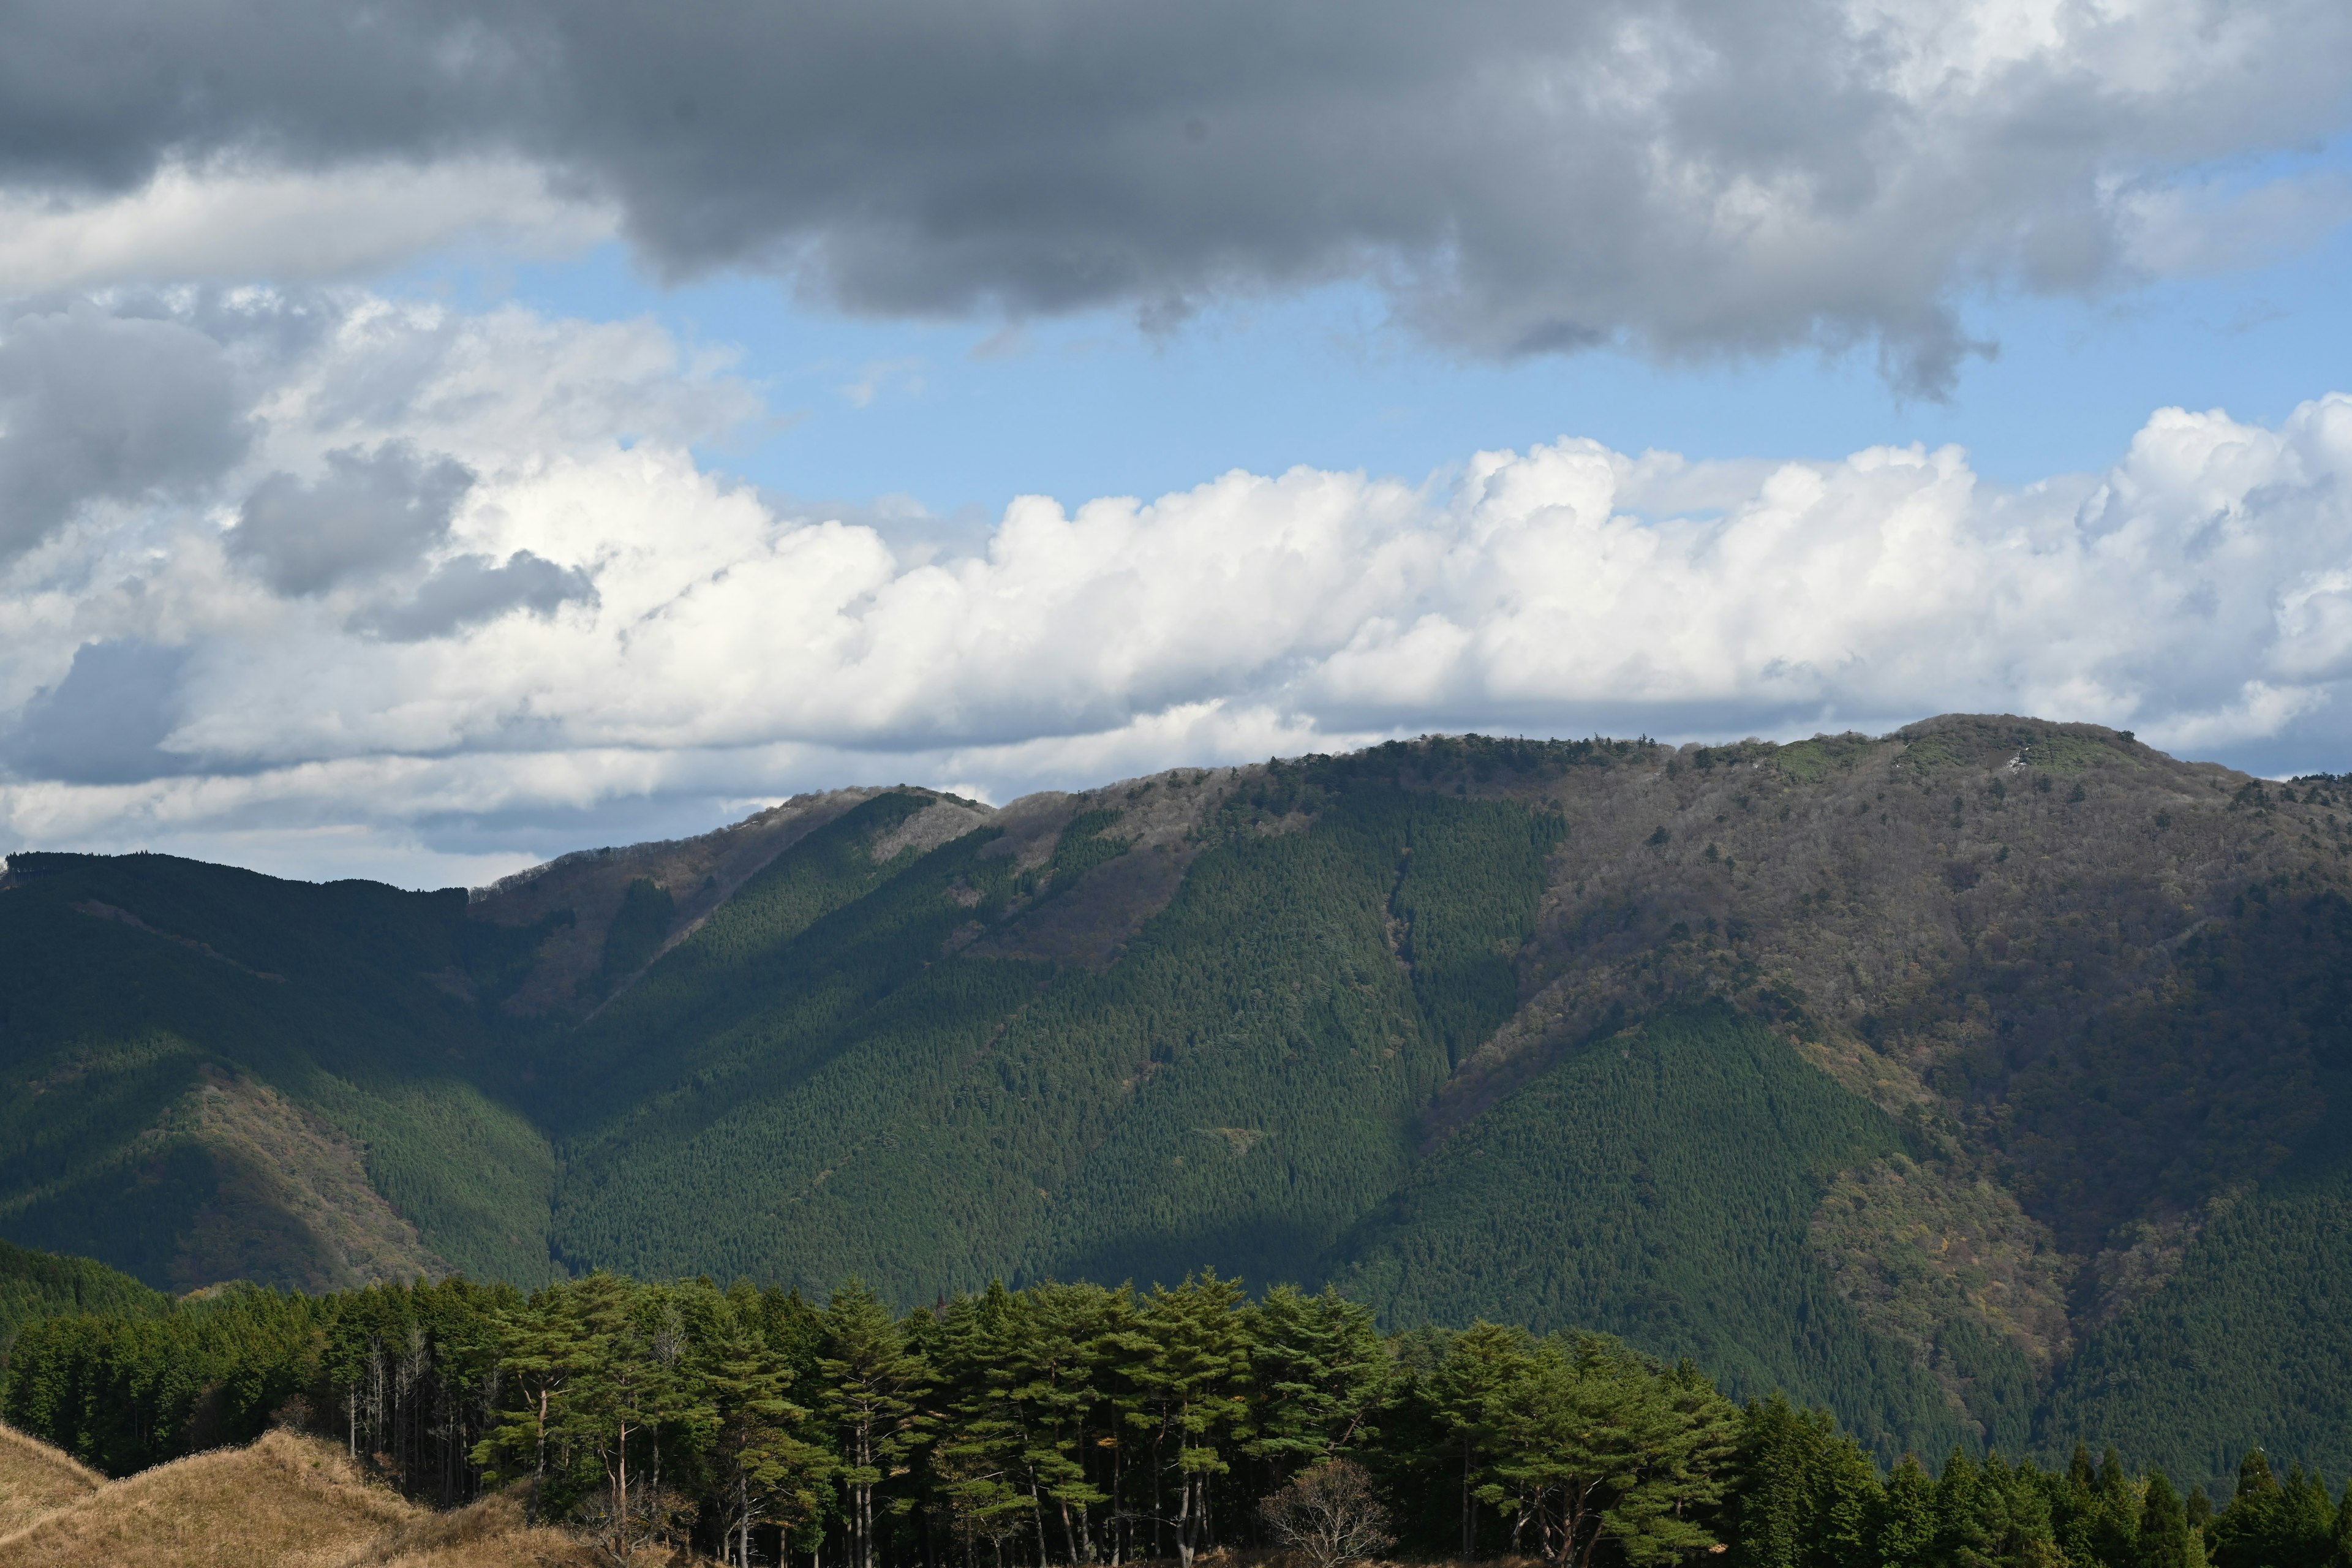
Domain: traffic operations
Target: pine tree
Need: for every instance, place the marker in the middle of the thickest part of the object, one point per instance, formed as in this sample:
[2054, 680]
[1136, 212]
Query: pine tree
[1061, 1353]
[1467, 1390]
[872, 1383]
[1193, 1378]
[1595, 1444]
[763, 1467]
[545, 1349]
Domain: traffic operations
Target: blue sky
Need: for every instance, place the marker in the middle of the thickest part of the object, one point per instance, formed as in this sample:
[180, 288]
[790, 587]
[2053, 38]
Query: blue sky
[962, 415]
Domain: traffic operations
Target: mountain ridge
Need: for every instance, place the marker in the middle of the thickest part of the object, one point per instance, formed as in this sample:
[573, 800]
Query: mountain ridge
[1239, 1014]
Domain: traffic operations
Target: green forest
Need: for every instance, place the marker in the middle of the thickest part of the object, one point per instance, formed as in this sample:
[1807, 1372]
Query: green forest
[1072, 1424]
[1977, 1084]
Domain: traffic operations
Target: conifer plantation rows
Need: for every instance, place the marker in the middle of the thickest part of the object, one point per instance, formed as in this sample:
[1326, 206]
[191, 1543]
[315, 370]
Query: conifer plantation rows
[1072, 1424]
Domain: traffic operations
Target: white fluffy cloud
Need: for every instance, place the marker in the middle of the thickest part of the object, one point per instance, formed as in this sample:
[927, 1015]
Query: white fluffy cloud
[495, 606]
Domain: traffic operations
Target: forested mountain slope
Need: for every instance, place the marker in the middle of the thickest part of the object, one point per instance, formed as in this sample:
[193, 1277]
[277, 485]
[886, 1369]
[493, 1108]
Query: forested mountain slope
[1971, 1080]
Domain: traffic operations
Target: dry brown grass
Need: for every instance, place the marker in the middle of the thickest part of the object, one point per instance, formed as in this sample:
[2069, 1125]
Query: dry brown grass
[490, 1533]
[37, 1481]
[287, 1500]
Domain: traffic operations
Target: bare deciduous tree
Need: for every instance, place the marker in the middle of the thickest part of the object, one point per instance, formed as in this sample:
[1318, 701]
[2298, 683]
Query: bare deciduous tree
[1329, 1515]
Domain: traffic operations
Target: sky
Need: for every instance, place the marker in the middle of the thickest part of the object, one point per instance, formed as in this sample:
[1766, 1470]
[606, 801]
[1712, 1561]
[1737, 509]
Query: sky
[435, 438]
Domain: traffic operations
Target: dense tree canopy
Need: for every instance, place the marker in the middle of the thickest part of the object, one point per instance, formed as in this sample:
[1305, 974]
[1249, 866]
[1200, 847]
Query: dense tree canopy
[1080, 1424]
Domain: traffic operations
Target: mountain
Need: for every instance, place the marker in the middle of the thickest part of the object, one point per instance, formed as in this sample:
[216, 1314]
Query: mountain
[1973, 1081]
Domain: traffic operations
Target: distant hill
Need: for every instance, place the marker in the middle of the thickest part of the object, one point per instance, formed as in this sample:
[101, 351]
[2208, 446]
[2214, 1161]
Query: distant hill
[1974, 1081]
[41, 1285]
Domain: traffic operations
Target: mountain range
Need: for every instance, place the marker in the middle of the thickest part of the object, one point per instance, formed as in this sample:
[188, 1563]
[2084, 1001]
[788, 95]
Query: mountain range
[1977, 1082]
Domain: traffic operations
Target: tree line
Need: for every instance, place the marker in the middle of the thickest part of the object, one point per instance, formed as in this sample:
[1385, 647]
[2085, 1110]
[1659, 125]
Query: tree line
[1082, 1426]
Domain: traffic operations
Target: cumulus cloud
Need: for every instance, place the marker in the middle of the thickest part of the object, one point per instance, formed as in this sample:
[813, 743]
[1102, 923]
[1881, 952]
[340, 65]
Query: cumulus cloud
[103, 722]
[470, 589]
[463, 597]
[368, 512]
[1523, 176]
[101, 406]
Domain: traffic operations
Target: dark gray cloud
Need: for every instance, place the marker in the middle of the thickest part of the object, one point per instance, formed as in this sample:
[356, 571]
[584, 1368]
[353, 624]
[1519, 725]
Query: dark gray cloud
[103, 722]
[368, 512]
[98, 405]
[1686, 176]
[470, 590]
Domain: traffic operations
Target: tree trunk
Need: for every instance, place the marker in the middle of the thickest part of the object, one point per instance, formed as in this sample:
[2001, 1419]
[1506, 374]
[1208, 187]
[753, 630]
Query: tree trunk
[539, 1463]
[1184, 1542]
[1469, 1507]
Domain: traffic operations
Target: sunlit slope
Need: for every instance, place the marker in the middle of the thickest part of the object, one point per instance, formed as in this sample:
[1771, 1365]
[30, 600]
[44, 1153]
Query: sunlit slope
[1237, 1087]
[284, 1500]
[43, 1284]
[37, 1481]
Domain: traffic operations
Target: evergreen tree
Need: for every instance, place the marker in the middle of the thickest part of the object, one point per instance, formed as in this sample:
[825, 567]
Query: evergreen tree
[1062, 1352]
[763, 1467]
[1906, 1530]
[2166, 1539]
[1596, 1444]
[2246, 1532]
[1321, 1372]
[872, 1383]
[544, 1350]
[2303, 1522]
[1467, 1392]
[1193, 1380]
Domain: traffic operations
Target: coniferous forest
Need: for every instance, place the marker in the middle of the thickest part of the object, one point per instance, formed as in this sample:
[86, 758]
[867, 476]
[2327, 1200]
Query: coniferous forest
[1075, 1425]
[1979, 1086]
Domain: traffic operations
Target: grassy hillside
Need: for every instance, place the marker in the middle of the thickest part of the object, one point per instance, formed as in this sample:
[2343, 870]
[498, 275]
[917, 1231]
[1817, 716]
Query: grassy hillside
[1958, 1077]
[37, 1481]
[282, 1496]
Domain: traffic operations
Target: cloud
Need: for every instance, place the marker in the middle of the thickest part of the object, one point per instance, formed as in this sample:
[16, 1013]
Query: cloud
[1684, 179]
[96, 406]
[464, 597]
[470, 590]
[369, 512]
[232, 222]
[105, 721]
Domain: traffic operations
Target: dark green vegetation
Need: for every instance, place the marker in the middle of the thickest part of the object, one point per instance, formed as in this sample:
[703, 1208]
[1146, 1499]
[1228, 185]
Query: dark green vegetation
[1657, 1185]
[1980, 1084]
[1070, 1424]
[43, 1285]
